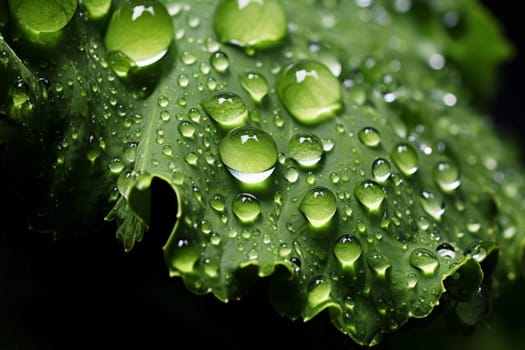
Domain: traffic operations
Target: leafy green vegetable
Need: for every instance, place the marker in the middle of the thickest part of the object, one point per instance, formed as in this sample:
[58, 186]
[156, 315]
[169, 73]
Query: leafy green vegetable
[344, 156]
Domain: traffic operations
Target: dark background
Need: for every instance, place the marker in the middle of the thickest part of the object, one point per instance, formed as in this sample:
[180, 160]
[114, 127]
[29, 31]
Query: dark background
[85, 292]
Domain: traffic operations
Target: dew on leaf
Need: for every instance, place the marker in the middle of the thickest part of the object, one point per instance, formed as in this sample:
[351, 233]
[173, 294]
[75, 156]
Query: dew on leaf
[306, 149]
[381, 170]
[42, 16]
[347, 250]
[184, 256]
[227, 109]
[378, 263]
[250, 24]
[446, 176]
[211, 268]
[319, 291]
[97, 8]
[116, 165]
[246, 207]
[424, 260]
[292, 174]
[249, 153]
[255, 85]
[141, 30]
[432, 204]
[370, 195]
[218, 203]
[186, 129]
[405, 157]
[446, 251]
[369, 136]
[319, 206]
[220, 61]
[309, 91]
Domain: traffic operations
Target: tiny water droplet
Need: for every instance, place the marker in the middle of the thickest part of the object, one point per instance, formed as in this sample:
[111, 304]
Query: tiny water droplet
[250, 154]
[319, 291]
[251, 24]
[186, 129]
[424, 260]
[218, 203]
[446, 251]
[306, 149]
[227, 109]
[347, 250]
[319, 206]
[370, 195]
[446, 176]
[116, 165]
[381, 170]
[369, 136]
[184, 256]
[220, 61]
[405, 158]
[309, 91]
[246, 207]
[433, 204]
[378, 263]
[255, 85]
[292, 175]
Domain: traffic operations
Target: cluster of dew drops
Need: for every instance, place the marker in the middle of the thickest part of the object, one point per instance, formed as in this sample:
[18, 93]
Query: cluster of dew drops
[250, 154]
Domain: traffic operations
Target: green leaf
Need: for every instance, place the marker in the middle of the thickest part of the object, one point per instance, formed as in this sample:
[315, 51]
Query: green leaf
[410, 193]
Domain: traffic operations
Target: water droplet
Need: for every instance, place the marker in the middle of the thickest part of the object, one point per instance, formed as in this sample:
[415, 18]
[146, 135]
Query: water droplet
[347, 250]
[306, 149]
[218, 203]
[38, 18]
[292, 175]
[446, 251]
[220, 61]
[250, 154]
[411, 280]
[255, 84]
[433, 204]
[246, 207]
[424, 260]
[184, 256]
[405, 158]
[141, 30]
[309, 91]
[446, 176]
[251, 24]
[186, 129]
[319, 206]
[369, 137]
[319, 292]
[381, 170]
[370, 195]
[97, 8]
[227, 109]
[378, 263]
[116, 166]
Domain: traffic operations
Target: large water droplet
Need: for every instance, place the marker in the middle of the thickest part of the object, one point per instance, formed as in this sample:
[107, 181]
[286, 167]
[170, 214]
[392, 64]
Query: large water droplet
[246, 207]
[251, 24]
[141, 30]
[446, 176]
[370, 195]
[227, 109]
[369, 137]
[309, 91]
[381, 170]
[250, 154]
[255, 84]
[41, 16]
[347, 250]
[424, 260]
[433, 204]
[306, 149]
[319, 206]
[405, 158]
